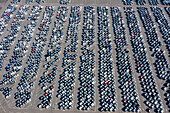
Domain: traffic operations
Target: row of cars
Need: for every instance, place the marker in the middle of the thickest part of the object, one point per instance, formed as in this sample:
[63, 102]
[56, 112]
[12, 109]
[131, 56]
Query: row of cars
[127, 2]
[46, 97]
[29, 1]
[38, 47]
[140, 2]
[15, 1]
[58, 32]
[14, 63]
[32, 1]
[72, 34]
[74, 22]
[27, 80]
[124, 65]
[51, 58]
[167, 9]
[86, 94]
[161, 64]
[107, 88]
[40, 1]
[165, 2]
[163, 25]
[67, 78]
[12, 32]
[166, 85]
[167, 92]
[148, 84]
[153, 2]
[6, 16]
[150, 28]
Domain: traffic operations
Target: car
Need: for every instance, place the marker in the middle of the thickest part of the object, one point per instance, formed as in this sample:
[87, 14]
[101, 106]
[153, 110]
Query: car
[65, 2]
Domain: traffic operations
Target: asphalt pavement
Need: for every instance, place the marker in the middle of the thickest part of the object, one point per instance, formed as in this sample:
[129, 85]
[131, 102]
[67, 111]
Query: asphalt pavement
[8, 105]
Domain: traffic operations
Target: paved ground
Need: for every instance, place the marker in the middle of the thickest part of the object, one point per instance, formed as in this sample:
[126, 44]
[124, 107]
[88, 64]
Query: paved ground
[2, 4]
[1, 1]
[8, 105]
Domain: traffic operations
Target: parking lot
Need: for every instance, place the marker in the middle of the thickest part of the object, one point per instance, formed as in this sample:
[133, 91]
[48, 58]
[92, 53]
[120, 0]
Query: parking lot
[76, 56]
